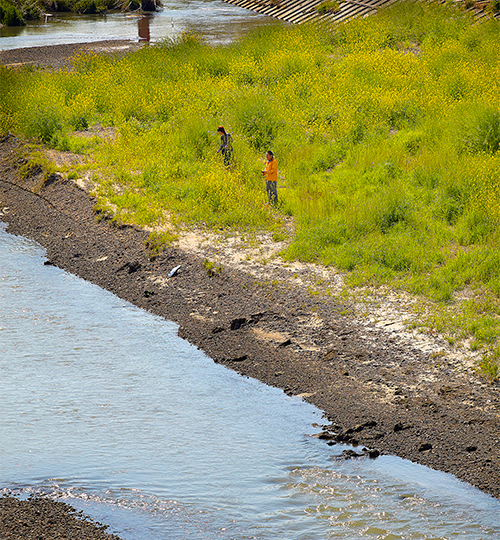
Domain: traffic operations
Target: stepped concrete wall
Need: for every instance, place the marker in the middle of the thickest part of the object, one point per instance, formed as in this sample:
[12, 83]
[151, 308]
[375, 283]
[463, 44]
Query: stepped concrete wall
[301, 11]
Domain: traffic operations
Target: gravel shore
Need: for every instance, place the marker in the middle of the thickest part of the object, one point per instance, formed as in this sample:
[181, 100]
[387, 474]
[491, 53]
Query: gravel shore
[44, 519]
[376, 392]
[59, 56]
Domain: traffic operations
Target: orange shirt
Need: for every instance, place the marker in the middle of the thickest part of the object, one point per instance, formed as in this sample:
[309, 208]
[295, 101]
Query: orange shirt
[271, 171]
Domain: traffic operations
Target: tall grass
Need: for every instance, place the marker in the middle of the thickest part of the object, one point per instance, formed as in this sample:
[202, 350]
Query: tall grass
[386, 131]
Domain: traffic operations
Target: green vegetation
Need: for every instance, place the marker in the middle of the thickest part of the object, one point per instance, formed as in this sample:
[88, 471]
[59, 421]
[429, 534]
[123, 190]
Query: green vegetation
[211, 268]
[494, 6]
[328, 6]
[11, 13]
[386, 131]
[157, 242]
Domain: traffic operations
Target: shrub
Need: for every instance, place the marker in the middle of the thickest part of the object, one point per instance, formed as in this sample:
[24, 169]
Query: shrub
[91, 6]
[480, 130]
[258, 121]
[328, 6]
[44, 124]
[10, 14]
[494, 6]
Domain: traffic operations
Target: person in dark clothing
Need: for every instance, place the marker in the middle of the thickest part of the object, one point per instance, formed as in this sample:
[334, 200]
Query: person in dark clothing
[226, 146]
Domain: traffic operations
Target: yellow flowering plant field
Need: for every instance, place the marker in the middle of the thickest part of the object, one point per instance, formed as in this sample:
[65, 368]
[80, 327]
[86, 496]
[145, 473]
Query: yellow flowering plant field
[386, 130]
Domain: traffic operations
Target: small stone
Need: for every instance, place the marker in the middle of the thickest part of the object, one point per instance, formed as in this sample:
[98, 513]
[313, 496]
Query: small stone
[349, 454]
[238, 358]
[236, 324]
[424, 447]
[326, 436]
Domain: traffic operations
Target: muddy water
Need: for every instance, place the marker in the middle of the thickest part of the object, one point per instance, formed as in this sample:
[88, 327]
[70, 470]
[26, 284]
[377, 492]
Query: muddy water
[214, 20]
[105, 407]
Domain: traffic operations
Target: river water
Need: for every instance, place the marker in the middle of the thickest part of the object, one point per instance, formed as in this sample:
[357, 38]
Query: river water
[104, 407]
[214, 20]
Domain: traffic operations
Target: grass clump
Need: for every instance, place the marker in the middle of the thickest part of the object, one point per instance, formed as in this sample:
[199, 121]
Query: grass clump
[385, 129]
[212, 268]
[158, 241]
[489, 366]
[328, 6]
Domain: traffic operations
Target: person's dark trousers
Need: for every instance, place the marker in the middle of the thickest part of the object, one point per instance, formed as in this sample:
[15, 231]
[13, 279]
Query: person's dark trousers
[272, 191]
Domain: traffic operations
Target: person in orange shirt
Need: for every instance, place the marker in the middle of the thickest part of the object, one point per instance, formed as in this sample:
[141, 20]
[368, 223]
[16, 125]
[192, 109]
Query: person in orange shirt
[271, 176]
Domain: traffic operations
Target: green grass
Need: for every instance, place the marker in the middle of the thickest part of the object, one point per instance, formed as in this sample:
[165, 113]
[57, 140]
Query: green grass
[328, 6]
[386, 131]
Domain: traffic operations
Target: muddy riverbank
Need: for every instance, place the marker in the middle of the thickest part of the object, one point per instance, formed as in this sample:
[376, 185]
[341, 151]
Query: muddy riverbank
[59, 56]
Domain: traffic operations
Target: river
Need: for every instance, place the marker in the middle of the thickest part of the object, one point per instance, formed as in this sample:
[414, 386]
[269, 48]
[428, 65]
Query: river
[213, 20]
[104, 407]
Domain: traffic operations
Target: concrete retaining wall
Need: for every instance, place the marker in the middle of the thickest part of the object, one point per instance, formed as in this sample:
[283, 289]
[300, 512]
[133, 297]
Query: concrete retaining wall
[301, 11]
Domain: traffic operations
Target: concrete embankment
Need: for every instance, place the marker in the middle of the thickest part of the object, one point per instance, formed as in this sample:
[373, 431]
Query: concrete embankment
[303, 11]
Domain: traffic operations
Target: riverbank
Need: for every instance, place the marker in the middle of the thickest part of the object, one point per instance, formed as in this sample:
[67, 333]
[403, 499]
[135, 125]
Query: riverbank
[378, 390]
[45, 519]
[59, 56]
